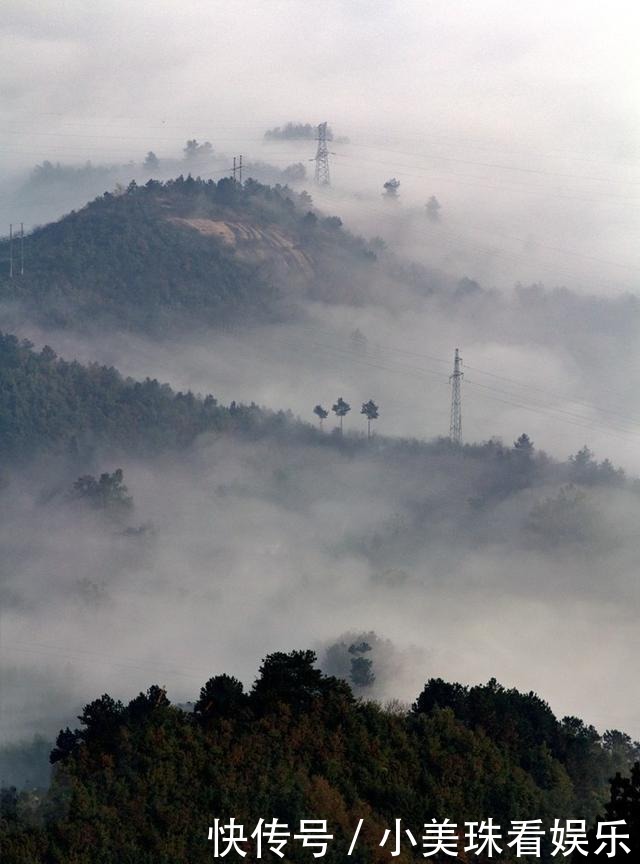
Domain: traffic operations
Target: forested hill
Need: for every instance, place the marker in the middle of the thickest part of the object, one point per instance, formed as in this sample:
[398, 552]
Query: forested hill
[50, 405]
[187, 251]
[142, 783]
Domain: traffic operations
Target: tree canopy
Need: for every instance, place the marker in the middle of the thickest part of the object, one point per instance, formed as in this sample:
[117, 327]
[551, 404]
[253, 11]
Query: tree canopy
[141, 782]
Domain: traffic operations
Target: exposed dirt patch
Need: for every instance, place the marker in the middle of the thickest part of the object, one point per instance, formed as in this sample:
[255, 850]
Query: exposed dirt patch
[253, 242]
[209, 227]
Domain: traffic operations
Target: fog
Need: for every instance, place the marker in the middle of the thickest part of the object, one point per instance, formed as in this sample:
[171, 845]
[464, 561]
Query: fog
[247, 549]
[522, 121]
[560, 366]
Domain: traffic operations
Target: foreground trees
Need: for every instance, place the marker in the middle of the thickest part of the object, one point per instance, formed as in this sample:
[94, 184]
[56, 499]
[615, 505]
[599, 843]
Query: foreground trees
[142, 782]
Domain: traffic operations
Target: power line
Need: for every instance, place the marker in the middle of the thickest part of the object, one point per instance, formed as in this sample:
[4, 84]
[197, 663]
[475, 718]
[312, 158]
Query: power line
[479, 181]
[415, 167]
[559, 414]
[519, 256]
[493, 165]
[383, 147]
[516, 382]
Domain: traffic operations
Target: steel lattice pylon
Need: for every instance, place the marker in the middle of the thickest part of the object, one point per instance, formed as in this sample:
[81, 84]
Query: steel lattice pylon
[322, 157]
[455, 424]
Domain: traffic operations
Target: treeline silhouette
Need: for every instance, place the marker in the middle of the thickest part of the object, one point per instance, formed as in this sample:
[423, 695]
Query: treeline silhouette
[142, 782]
[50, 405]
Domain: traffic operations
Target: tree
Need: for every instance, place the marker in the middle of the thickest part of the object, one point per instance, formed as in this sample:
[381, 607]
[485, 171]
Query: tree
[391, 189]
[309, 220]
[621, 746]
[524, 445]
[144, 705]
[624, 804]
[370, 411]
[341, 409]
[222, 696]
[522, 465]
[151, 162]
[361, 673]
[583, 467]
[438, 693]
[333, 223]
[108, 493]
[568, 517]
[433, 208]
[295, 173]
[292, 131]
[66, 743]
[194, 151]
[291, 679]
[321, 413]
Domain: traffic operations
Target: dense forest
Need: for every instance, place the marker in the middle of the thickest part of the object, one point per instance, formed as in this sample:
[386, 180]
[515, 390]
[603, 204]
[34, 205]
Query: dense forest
[51, 405]
[48, 404]
[166, 255]
[142, 782]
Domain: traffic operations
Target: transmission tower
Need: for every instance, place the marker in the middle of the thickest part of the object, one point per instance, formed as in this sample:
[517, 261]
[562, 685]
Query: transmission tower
[322, 157]
[237, 168]
[455, 425]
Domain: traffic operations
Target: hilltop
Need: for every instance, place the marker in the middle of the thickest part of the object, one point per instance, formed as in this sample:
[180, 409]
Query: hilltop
[189, 251]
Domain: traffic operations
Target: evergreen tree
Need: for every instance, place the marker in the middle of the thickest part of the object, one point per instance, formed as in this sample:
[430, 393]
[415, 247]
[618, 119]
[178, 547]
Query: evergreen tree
[341, 409]
[321, 413]
[370, 411]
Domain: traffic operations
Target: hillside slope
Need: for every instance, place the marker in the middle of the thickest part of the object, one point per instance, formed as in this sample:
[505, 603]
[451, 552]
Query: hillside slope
[49, 405]
[188, 251]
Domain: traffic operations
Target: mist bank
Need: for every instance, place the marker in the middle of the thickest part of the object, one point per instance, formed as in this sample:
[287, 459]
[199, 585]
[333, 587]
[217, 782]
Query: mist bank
[254, 536]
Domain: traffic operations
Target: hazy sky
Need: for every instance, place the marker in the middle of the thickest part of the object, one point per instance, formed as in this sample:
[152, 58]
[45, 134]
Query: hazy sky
[564, 76]
[522, 118]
